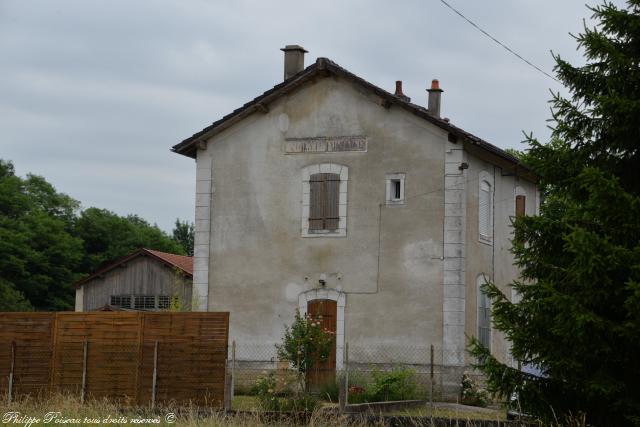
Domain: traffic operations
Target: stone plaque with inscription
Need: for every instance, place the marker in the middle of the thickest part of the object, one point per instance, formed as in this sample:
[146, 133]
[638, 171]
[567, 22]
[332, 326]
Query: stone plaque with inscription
[325, 144]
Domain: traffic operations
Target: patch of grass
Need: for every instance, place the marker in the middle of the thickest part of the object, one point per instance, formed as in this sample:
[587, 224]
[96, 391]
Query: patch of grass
[245, 403]
[452, 413]
[70, 408]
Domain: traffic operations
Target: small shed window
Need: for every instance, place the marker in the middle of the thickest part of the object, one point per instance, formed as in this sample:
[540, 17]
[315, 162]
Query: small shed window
[164, 302]
[324, 202]
[520, 205]
[485, 211]
[144, 302]
[484, 315]
[123, 301]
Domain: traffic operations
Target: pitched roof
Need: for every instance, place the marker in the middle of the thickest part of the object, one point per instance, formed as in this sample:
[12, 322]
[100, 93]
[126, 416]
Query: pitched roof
[181, 262]
[184, 263]
[325, 67]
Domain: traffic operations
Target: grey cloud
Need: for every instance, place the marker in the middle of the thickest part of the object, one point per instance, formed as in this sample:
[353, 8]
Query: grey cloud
[93, 94]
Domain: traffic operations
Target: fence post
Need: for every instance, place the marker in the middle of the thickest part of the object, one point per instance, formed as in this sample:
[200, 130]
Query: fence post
[13, 364]
[343, 396]
[233, 368]
[155, 376]
[431, 379]
[83, 391]
[227, 388]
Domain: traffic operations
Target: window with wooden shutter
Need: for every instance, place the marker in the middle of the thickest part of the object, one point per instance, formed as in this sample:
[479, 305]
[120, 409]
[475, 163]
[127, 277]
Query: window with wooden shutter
[520, 205]
[485, 219]
[484, 316]
[324, 202]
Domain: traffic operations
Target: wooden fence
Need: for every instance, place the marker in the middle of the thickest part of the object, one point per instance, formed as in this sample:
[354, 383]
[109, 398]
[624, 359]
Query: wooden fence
[140, 358]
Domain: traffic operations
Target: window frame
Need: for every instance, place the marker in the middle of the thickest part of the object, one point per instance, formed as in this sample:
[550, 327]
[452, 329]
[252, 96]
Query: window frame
[324, 168]
[392, 178]
[486, 179]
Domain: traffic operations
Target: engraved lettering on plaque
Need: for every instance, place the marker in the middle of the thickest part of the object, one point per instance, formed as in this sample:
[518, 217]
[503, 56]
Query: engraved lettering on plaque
[326, 144]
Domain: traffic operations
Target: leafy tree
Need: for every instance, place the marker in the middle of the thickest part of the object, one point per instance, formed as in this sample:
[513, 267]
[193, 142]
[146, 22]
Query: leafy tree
[578, 318]
[38, 255]
[184, 234]
[107, 236]
[46, 243]
[11, 299]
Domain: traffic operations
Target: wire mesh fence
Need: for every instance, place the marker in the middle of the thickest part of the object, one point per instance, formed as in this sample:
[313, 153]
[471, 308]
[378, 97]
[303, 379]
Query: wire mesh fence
[425, 372]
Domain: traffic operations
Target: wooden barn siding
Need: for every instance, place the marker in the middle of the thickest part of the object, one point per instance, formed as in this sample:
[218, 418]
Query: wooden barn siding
[49, 357]
[140, 276]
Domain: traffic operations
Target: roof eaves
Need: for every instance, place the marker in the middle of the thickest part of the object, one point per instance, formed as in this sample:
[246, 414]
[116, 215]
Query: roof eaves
[188, 146]
[123, 260]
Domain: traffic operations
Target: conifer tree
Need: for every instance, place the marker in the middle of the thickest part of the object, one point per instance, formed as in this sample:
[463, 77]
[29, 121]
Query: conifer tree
[578, 315]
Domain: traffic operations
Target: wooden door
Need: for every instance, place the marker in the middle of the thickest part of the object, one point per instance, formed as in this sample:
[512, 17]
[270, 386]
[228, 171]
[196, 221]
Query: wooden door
[324, 371]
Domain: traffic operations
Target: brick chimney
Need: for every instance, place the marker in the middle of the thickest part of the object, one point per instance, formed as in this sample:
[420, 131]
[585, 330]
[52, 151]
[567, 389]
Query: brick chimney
[293, 59]
[399, 93]
[434, 98]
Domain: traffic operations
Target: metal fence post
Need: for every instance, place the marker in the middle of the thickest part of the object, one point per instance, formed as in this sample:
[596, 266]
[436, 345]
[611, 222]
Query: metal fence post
[431, 379]
[343, 392]
[346, 373]
[83, 391]
[13, 364]
[155, 376]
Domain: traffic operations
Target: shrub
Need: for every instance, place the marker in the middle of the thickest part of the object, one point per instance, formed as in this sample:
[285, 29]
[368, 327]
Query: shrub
[472, 393]
[397, 384]
[305, 343]
[265, 390]
[302, 402]
[357, 394]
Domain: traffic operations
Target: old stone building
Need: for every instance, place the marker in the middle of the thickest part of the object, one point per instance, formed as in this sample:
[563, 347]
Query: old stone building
[328, 188]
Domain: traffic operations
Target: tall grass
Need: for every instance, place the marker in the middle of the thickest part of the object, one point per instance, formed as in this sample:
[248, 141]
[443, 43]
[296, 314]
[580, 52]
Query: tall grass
[70, 408]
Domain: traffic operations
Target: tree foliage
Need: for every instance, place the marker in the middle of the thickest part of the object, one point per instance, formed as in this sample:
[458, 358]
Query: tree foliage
[107, 236]
[184, 234]
[47, 242]
[578, 315]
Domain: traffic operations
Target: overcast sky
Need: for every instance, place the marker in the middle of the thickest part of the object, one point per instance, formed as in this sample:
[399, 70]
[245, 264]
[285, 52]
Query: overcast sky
[94, 93]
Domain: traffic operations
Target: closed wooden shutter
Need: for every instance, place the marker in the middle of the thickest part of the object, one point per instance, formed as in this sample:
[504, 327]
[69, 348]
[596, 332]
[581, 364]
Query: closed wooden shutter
[484, 210]
[520, 205]
[324, 201]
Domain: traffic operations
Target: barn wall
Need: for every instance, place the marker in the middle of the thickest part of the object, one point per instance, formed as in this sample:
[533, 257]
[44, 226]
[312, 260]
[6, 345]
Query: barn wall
[141, 276]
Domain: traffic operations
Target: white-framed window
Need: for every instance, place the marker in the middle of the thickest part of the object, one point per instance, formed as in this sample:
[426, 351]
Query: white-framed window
[123, 301]
[395, 189]
[485, 208]
[324, 200]
[142, 302]
[484, 314]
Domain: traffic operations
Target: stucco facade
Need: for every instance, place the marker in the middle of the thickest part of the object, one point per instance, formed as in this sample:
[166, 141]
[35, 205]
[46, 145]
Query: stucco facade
[403, 273]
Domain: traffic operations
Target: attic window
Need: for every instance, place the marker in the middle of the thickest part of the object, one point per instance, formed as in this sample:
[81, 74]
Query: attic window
[395, 189]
